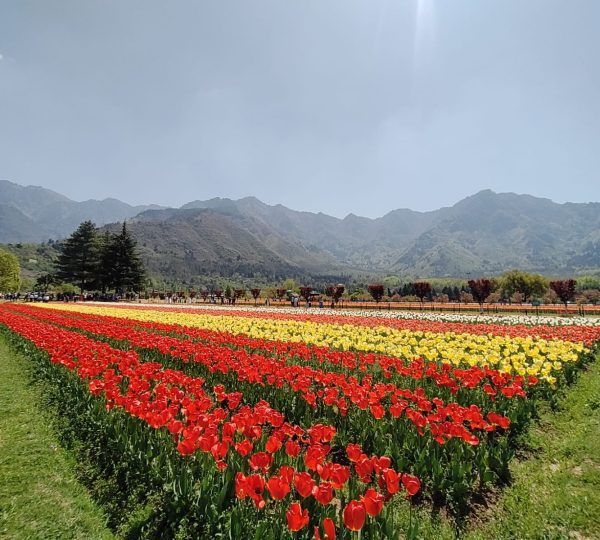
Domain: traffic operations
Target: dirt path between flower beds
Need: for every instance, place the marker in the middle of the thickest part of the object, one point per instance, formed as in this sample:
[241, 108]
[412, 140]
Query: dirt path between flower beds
[39, 494]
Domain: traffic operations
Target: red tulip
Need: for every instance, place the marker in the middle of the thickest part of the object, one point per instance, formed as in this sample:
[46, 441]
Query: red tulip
[240, 486]
[373, 501]
[292, 448]
[323, 493]
[392, 480]
[364, 468]
[411, 483]
[287, 472]
[175, 427]
[304, 484]
[273, 444]
[377, 411]
[339, 475]
[186, 447]
[328, 528]
[278, 487]
[244, 448]
[296, 517]
[260, 460]
[255, 486]
[353, 451]
[354, 515]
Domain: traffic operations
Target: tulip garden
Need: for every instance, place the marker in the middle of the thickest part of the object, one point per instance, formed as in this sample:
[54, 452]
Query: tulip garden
[258, 423]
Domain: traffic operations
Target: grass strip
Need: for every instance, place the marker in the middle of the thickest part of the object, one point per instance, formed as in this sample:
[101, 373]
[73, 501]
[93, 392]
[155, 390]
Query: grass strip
[39, 493]
[556, 489]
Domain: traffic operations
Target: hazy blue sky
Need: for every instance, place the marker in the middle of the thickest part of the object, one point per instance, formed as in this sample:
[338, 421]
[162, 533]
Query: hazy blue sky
[340, 106]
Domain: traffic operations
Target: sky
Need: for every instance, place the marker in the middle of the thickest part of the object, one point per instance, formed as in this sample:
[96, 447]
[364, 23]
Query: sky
[339, 106]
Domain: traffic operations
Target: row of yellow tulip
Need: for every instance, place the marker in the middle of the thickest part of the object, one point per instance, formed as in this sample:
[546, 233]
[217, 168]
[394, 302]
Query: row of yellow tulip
[521, 355]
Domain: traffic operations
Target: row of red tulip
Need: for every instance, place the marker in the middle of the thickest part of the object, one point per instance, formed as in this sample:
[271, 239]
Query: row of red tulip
[443, 420]
[443, 375]
[256, 440]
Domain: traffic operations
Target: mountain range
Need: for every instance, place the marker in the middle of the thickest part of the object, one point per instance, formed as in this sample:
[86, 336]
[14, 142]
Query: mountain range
[484, 234]
[36, 214]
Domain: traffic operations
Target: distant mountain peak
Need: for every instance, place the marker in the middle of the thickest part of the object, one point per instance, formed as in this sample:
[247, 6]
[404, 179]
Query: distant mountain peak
[46, 214]
[483, 234]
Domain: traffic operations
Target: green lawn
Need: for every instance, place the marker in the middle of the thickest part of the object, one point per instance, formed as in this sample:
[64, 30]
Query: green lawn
[39, 494]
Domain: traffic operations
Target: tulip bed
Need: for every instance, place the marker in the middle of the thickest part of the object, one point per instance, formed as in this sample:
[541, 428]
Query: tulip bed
[273, 424]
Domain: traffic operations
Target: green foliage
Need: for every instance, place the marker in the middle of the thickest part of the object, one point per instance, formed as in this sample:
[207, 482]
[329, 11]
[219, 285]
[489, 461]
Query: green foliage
[528, 285]
[392, 281]
[101, 263]
[67, 288]
[587, 283]
[290, 285]
[10, 272]
[34, 259]
[121, 268]
[228, 291]
[80, 257]
[45, 281]
[358, 293]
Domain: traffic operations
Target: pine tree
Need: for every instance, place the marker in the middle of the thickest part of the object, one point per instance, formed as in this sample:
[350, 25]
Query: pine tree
[79, 257]
[105, 263]
[122, 268]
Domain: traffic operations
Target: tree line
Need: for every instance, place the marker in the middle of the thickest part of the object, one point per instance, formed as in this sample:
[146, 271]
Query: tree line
[104, 262]
[100, 262]
[515, 285]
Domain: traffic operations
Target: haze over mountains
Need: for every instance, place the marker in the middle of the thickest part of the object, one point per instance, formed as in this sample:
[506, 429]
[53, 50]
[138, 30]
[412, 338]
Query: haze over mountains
[35, 214]
[486, 233]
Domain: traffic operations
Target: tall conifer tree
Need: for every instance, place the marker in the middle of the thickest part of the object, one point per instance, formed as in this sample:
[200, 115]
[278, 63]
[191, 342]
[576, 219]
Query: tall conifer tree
[79, 258]
[105, 260]
[121, 265]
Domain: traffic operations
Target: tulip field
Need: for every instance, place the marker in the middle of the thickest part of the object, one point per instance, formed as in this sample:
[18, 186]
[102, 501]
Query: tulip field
[291, 423]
